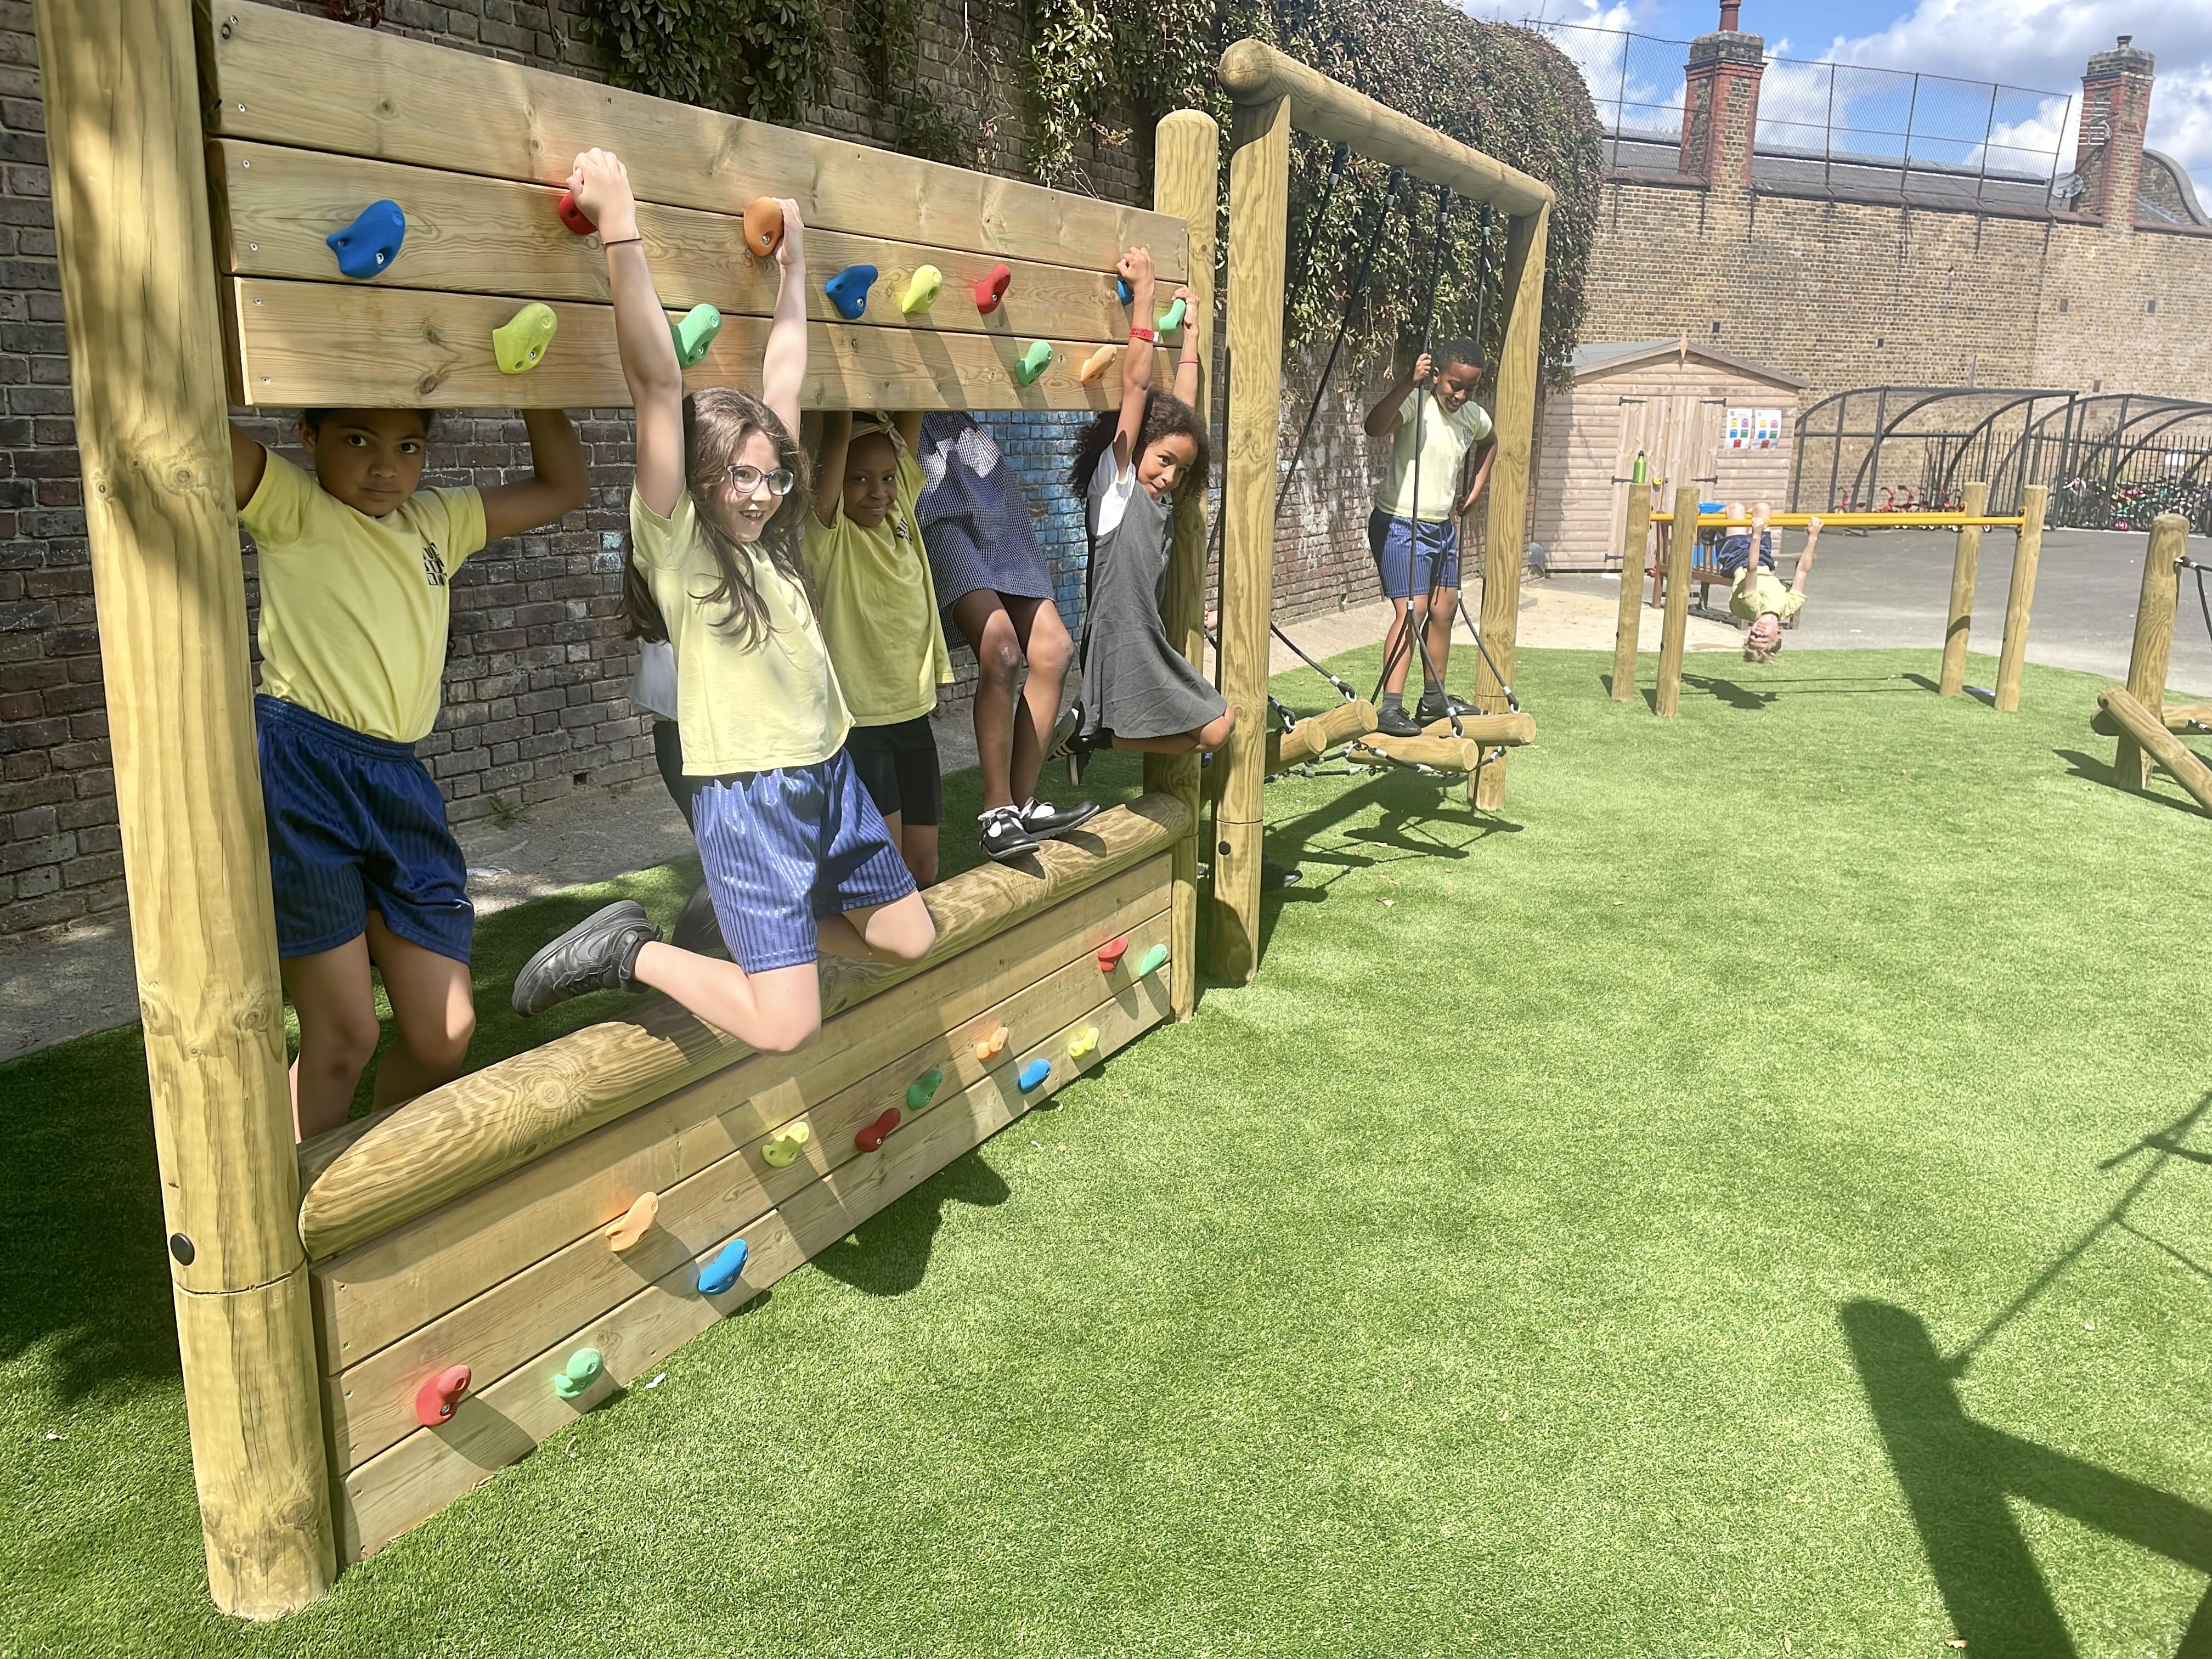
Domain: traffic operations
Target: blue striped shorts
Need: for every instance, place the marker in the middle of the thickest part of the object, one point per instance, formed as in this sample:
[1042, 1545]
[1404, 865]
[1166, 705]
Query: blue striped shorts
[784, 848]
[1411, 567]
[355, 824]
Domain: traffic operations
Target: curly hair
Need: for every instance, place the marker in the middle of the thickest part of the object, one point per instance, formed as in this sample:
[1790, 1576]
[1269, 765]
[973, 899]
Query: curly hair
[1166, 415]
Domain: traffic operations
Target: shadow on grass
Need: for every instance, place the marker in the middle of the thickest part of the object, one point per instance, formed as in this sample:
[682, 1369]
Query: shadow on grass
[2090, 769]
[888, 1254]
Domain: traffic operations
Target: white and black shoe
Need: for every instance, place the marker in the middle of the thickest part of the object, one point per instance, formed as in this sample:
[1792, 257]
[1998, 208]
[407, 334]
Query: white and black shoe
[1004, 836]
[598, 954]
[1044, 820]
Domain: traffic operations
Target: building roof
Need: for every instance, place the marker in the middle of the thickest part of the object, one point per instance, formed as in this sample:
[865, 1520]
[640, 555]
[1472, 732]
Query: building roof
[1608, 354]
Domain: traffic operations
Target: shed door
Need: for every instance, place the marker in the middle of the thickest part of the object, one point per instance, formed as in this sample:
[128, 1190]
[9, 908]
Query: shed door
[1634, 440]
[1680, 438]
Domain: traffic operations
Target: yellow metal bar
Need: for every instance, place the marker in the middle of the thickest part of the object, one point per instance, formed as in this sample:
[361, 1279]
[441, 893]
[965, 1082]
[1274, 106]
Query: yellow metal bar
[1858, 520]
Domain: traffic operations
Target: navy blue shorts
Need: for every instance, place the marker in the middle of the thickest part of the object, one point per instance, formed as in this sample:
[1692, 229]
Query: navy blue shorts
[1408, 574]
[784, 848]
[355, 824]
[1734, 552]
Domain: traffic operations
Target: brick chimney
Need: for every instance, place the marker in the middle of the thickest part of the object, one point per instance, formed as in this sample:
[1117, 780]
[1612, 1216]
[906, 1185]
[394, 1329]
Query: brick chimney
[1720, 104]
[2115, 109]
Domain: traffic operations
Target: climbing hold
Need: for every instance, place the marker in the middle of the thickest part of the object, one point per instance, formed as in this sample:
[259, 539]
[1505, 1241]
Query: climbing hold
[992, 289]
[368, 247]
[519, 343]
[436, 1400]
[922, 289]
[722, 1271]
[695, 334]
[1034, 362]
[626, 1229]
[1034, 1073]
[1154, 959]
[1172, 319]
[583, 1369]
[1096, 365]
[574, 216]
[782, 1148]
[871, 1134]
[763, 226]
[1111, 952]
[1123, 292]
[1083, 1042]
[923, 1089]
[848, 291]
[994, 1044]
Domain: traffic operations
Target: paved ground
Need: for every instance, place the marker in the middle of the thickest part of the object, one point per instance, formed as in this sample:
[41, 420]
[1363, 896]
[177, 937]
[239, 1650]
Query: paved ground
[1880, 590]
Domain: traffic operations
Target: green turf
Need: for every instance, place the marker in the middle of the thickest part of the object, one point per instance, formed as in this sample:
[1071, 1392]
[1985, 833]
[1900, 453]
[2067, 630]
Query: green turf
[1747, 1197]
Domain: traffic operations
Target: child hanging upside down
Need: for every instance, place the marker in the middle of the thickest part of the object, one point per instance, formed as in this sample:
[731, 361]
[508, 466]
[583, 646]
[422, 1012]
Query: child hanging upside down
[1758, 596]
[1139, 692]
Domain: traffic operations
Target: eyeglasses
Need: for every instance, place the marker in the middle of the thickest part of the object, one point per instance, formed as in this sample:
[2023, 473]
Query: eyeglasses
[747, 479]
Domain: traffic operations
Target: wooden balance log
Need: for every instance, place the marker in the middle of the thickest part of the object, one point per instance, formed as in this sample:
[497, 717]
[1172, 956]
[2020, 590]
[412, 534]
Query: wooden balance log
[1510, 731]
[1441, 754]
[2179, 717]
[2160, 744]
[1315, 736]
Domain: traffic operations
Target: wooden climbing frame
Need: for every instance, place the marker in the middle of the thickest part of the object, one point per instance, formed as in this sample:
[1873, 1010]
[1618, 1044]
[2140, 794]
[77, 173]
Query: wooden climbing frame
[327, 1295]
[2140, 717]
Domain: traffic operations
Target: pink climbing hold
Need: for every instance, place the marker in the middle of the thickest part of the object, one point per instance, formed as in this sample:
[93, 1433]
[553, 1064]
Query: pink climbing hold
[436, 1400]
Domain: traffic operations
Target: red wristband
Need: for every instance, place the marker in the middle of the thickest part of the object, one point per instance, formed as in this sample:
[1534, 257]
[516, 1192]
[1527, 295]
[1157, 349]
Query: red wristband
[1150, 336]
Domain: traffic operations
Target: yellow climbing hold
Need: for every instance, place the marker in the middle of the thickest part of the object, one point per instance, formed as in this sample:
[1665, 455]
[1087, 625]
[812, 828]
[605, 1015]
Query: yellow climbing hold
[1083, 1042]
[923, 290]
[519, 343]
[782, 1148]
[1096, 365]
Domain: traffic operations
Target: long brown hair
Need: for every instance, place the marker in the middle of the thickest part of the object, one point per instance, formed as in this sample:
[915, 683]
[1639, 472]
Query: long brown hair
[717, 422]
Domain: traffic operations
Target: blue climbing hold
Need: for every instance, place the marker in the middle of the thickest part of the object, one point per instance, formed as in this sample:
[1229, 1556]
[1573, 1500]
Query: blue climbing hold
[1126, 295]
[848, 291]
[722, 1271]
[368, 247]
[1034, 1073]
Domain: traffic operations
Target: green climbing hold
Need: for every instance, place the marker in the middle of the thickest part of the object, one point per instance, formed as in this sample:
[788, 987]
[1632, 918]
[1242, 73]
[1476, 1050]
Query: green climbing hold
[923, 1089]
[584, 1369]
[1173, 320]
[519, 343]
[695, 334]
[1034, 362]
[921, 292]
[1154, 958]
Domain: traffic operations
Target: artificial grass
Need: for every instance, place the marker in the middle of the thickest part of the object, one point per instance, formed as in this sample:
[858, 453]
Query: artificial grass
[1748, 1196]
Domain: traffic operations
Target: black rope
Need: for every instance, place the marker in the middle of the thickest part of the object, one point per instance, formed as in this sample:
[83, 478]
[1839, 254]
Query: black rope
[2203, 604]
[1481, 294]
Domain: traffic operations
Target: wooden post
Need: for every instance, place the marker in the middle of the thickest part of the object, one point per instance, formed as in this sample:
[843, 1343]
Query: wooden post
[1959, 621]
[1635, 535]
[1186, 178]
[1259, 200]
[2013, 655]
[1508, 526]
[2150, 731]
[138, 282]
[1681, 537]
[2152, 654]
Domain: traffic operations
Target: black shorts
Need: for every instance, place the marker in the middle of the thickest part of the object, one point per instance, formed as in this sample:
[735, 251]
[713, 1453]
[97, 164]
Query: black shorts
[898, 766]
[668, 756]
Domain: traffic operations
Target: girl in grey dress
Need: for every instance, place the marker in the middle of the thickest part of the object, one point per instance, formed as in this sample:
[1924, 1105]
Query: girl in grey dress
[1139, 692]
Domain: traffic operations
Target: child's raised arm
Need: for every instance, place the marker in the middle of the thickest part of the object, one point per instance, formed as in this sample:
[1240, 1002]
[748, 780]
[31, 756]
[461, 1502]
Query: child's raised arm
[1186, 380]
[1384, 414]
[560, 482]
[830, 463]
[601, 187]
[1136, 267]
[783, 365]
[1798, 577]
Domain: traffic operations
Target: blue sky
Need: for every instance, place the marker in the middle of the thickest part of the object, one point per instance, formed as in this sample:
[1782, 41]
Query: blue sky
[2037, 44]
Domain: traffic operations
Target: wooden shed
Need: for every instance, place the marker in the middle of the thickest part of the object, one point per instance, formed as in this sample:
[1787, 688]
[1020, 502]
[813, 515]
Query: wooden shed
[1696, 415]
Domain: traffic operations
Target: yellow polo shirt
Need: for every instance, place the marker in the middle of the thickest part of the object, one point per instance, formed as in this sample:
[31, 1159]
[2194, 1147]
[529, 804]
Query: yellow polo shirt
[1751, 599]
[879, 608]
[738, 709]
[354, 610]
[1445, 440]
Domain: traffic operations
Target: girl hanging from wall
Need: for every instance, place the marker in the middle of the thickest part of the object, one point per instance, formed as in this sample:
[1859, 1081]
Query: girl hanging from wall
[798, 859]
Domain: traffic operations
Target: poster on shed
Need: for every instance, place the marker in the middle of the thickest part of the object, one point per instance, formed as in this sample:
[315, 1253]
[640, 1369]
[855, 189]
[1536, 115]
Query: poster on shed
[1753, 429]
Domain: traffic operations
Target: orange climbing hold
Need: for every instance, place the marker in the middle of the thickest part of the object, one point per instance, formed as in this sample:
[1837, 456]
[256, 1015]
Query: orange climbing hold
[1111, 952]
[626, 1229]
[436, 1400]
[764, 225]
[1095, 365]
[995, 1044]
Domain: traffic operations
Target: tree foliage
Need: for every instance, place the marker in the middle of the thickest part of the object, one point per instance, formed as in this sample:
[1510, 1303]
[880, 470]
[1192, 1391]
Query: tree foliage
[763, 58]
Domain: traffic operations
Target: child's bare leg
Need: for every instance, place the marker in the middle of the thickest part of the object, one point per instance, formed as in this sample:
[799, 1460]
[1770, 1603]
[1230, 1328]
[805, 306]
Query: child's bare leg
[1444, 608]
[1050, 652]
[998, 664]
[1397, 651]
[775, 1011]
[1204, 740]
[901, 931]
[434, 1015]
[338, 1031]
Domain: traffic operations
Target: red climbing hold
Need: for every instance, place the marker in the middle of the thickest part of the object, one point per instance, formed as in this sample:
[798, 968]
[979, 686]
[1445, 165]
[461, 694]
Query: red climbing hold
[991, 290]
[1111, 952]
[871, 1134]
[436, 1400]
[573, 216]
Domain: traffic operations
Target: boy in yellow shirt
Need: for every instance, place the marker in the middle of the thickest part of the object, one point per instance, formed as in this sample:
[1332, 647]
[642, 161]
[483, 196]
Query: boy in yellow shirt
[1758, 596]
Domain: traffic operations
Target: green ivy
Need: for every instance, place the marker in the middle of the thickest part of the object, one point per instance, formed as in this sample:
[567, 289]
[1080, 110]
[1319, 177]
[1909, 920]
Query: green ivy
[884, 33]
[762, 59]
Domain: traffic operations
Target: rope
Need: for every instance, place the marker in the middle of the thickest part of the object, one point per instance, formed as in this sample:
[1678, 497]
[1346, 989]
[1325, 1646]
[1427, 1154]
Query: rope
[1481, 294]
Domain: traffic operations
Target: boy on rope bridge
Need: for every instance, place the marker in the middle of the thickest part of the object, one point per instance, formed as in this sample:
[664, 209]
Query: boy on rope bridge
[1416, 542]
[1758, 596]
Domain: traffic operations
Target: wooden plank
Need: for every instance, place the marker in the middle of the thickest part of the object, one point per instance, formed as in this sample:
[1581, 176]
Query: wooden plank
[1442, 754]
[283, 78]
[1635, 535]
[303, 345]
[139, 296]
[2148, 730]
[1490, 731]
[2020, 600]
[1959, 619]
[2151, 654]
[503, 1420]
[370, 1406]
[468, 235]
[1674, 632]
[468, 1133]
[2179, 717]
[377, 1292]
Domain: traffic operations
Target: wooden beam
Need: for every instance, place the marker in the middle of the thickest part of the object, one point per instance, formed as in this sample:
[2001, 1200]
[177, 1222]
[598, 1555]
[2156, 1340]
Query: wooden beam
[1859, 521]
[1186, 184]
[317, 343]
[459, 1137]
[1258, 199]
[1674, 631]
[1490, 731]
[2151, 655]
[2148, 730]
[1507, 535]
[1317, 734]
[1440, 754]
[1959, 620]
[2179, 717]
[2012, 654]
[138, 287]
[284, 78]
[1255, 74]
[1635, 536]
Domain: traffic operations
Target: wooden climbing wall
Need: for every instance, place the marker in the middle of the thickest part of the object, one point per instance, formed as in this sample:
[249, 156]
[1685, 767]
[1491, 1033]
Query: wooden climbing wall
[311, 121]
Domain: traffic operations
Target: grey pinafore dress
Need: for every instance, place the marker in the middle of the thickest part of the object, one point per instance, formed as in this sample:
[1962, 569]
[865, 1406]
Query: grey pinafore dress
[1135, 685]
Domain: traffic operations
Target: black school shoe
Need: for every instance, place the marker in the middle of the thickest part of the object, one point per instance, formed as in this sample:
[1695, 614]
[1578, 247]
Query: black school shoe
[699, 930]
[1004, 836]
[1433, 709]
[1044, 820]
[597, 954]
[1397, 723]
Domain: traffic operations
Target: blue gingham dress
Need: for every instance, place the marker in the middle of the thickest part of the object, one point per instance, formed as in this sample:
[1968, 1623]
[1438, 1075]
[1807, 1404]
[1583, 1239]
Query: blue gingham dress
[974, 522]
